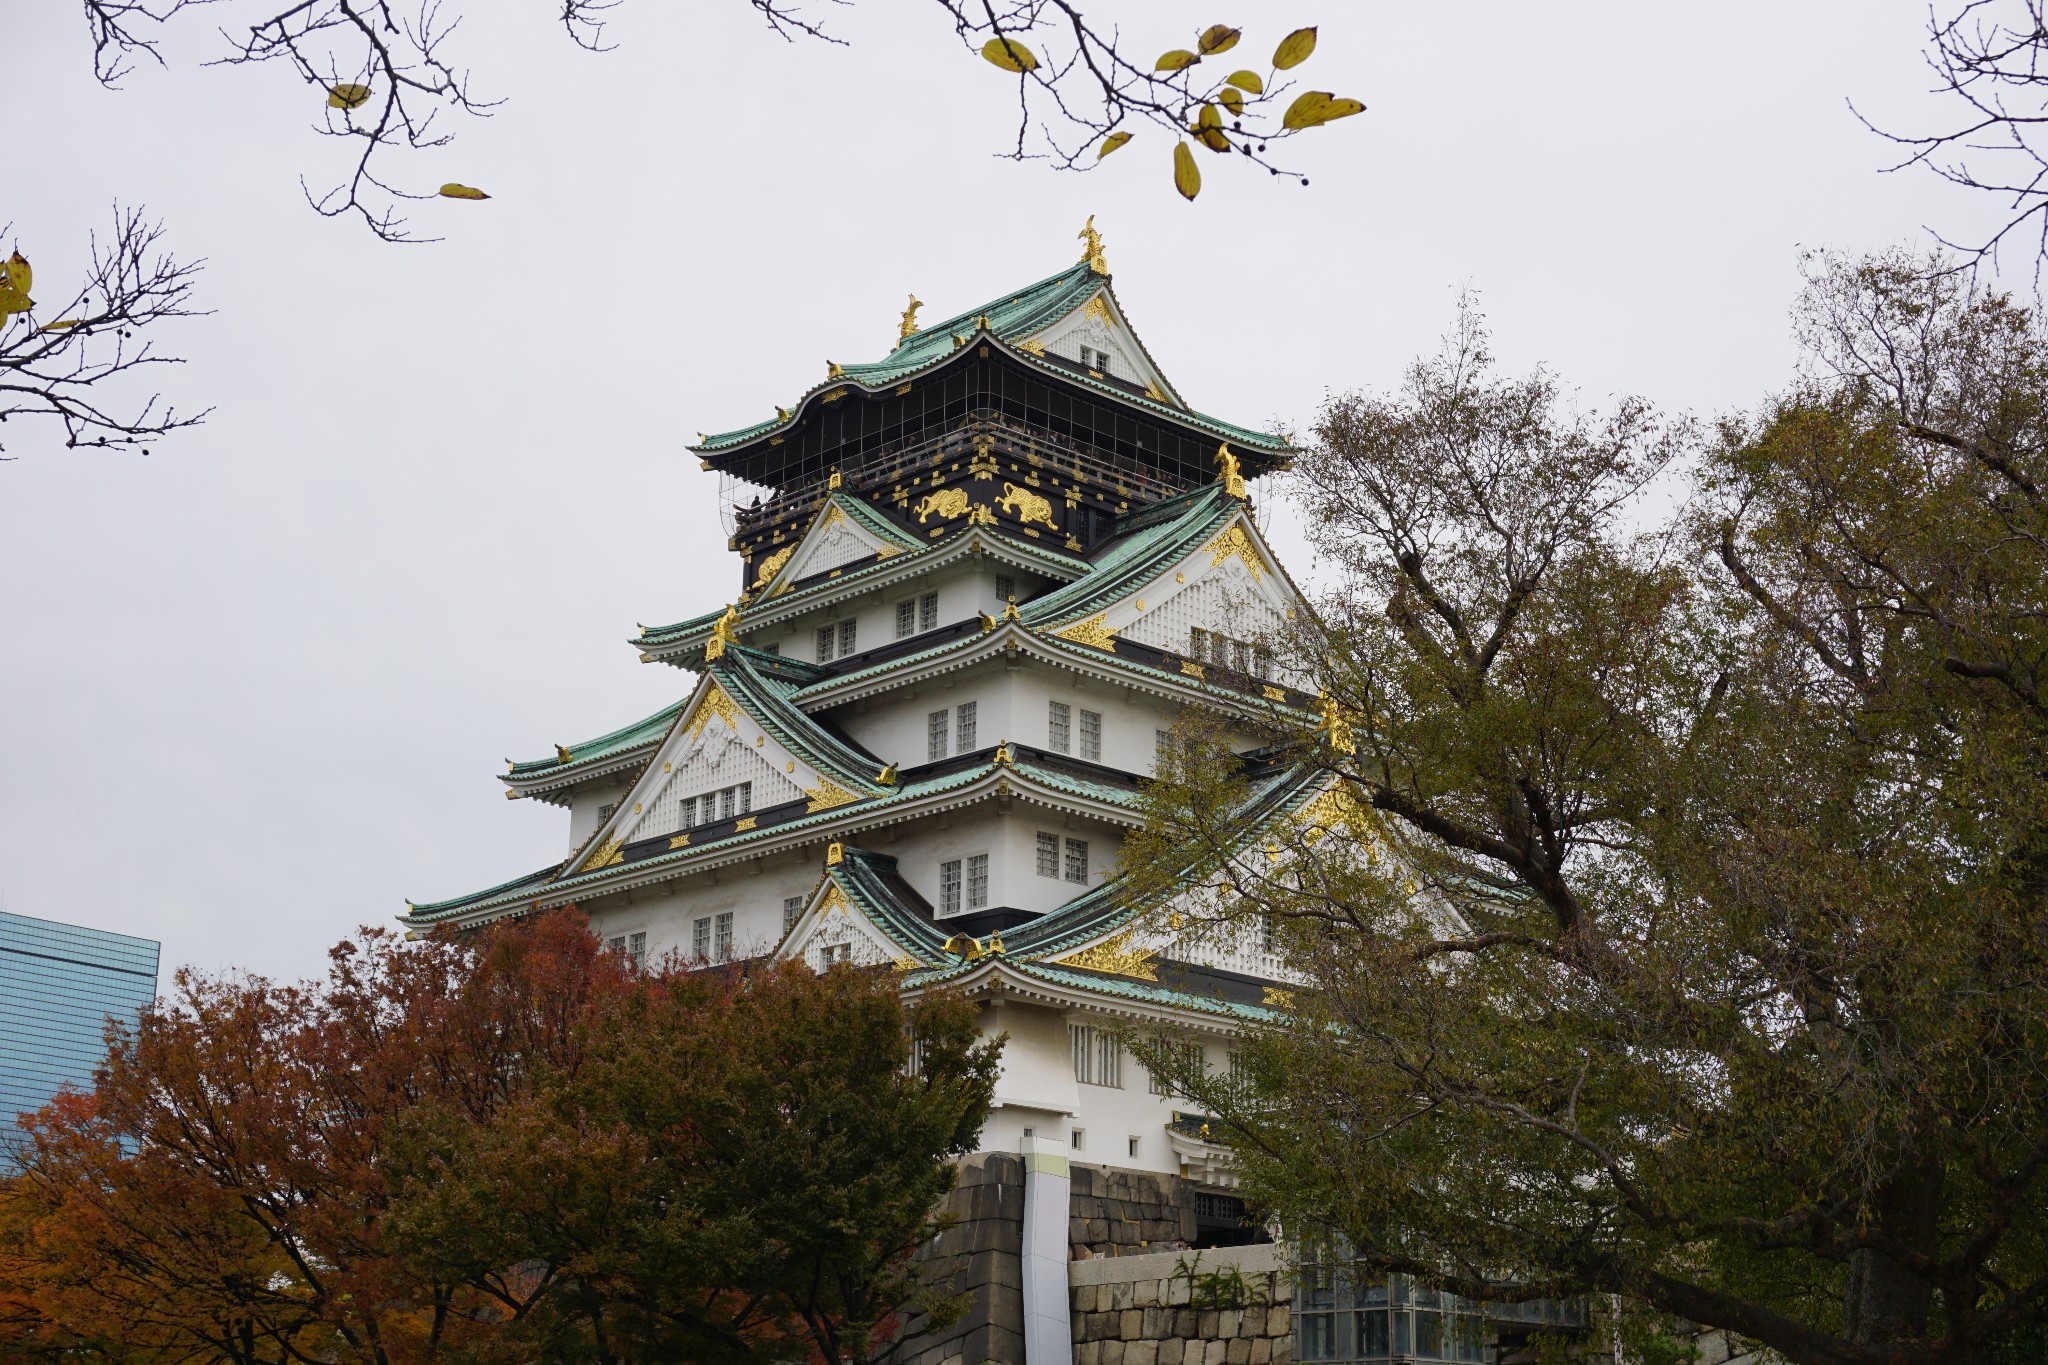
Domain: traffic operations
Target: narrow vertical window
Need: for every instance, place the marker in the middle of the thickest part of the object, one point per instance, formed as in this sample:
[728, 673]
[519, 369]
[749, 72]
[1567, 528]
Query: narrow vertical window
[1162, 749]
[723, 944]
[686, 812]
[949, 887]
[963, 727]
[1077, 860]
[746, 797]
[616, 945]
[700, 939]
[1263, 657]
[826, 635]
[727, 798]
[1006, 588]
[846, 637]
[636, 951]
[935, 736]
[1058, 727]
[928, 611]
[977, 882]
[604, 813]
[1198, 644]
[1091, 735]
[1048, 855]
[1240, 656]
[792, 906]
[906, 619]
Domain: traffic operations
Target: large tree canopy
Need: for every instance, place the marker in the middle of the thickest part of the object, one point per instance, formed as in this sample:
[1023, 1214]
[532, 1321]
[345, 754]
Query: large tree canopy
[506, 1148]
[1721, 782]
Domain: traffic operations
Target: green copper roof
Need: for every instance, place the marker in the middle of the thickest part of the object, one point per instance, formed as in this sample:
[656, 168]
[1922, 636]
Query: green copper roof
[1146, 543]
[647, 730]
[872, 884]
[1009, 321]
[762, 684]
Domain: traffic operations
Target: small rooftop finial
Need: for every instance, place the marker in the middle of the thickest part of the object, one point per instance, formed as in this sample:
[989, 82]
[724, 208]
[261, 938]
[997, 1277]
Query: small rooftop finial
[909, 324]
[1094, 256]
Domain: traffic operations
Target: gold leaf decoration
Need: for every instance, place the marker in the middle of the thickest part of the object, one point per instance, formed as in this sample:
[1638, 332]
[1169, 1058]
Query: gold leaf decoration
[1234, 541]
[716, 703]
[1114, 956]
[1092, 631]
[827, 795]
[1295, 48]
[1274, 998]
[772, 565]
[606, 855]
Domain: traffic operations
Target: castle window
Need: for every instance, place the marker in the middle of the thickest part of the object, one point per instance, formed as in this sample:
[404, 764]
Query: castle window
[604, 813]
[1098, 1055]
[1188, 1058]
[949, 887]
[1162, 750]
[1048, 855]
[963, 726]
[686, 810]
[1077, 860]
[831, 953]
[700, 939]
[1091, 735]
[827, 635]
[935, 735]
[723, 945]
[906, 618]
[636, 950]
[1077, 1138]
[1059, 728]
[792, 906]
[977, 882]
[846, 637]
[1006, 587]
[928, 611]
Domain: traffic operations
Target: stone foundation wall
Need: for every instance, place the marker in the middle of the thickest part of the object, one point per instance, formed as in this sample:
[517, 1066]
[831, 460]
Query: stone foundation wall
[981, 1258]
[1121, 1213]
[1147, 1309]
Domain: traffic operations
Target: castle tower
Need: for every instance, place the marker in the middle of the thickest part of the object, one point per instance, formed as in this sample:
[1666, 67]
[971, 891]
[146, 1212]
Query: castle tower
[981, 579]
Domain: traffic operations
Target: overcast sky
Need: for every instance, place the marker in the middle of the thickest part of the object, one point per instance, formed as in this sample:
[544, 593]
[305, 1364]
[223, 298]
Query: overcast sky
[256, 687]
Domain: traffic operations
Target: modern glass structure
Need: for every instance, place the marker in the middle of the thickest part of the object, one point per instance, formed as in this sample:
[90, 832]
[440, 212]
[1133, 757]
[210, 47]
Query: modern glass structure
[1342, 1317]
[59, 985]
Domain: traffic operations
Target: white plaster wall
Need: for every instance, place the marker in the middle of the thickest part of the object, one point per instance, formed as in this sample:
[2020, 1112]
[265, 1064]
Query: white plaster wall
[965, 588]
[754, 898]
[583, 806]
[894, 726]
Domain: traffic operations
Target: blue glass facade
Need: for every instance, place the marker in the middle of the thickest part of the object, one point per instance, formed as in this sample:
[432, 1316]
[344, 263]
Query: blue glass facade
[59, 984]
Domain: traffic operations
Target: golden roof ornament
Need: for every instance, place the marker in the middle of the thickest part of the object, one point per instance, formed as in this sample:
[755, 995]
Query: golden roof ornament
[909, 323]
[1336, 727]
[833, 371]
[1093, 255]
[721, 633]
[835, 853]
[562, 755]
[1230, 476]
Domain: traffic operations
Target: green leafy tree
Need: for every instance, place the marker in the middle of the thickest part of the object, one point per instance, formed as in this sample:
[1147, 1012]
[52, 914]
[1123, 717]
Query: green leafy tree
[1677, 928]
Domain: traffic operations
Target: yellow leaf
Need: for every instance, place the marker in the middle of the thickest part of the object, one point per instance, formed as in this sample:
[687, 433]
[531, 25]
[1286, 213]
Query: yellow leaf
[1177, 60]
[1208, 129]
[1218, 38]
[1111, 143]
[1187, 177]
[1247, 81]
[1294, 48]
[64, 325]
[347, 96]
[1232, 99]
[1314, 108]
[451, 190]
[1009, 54]
[18, 273]
[12, 300]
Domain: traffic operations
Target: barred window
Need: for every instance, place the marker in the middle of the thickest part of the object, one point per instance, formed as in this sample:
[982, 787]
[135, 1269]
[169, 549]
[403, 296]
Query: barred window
[1058, 728]
[700, 939]
[1077, 860]
[906, 618]
[792, 906]
[636, 950]
[728, 802]
[963, 726]
[826, 636]
[1183, 1056]
[831, 953]
[723, 945]
[1098, 1055]
[1162, 749]
[686, 810]
[935, 735]
[1006, 587]
[604, 813]
[977, 882]
[1091, 735]
[928, 611]
[846, 637]
[746, 797]
[949, 887]
[1048, 855]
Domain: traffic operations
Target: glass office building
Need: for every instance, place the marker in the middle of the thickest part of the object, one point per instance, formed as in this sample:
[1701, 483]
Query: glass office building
[59, 985]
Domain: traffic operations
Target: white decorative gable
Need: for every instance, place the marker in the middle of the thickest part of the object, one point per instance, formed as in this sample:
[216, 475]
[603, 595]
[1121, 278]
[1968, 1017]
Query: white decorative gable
[831, 929]
[1226, 599]
[1096, 329]
[834, 541]
[717, 758]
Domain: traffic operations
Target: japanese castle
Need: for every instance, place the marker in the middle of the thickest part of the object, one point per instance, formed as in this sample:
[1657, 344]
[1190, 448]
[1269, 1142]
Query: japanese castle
[982, 578]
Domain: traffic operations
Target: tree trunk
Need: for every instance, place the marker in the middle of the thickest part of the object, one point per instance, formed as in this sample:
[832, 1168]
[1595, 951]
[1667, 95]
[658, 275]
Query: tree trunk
[1886, 1302]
